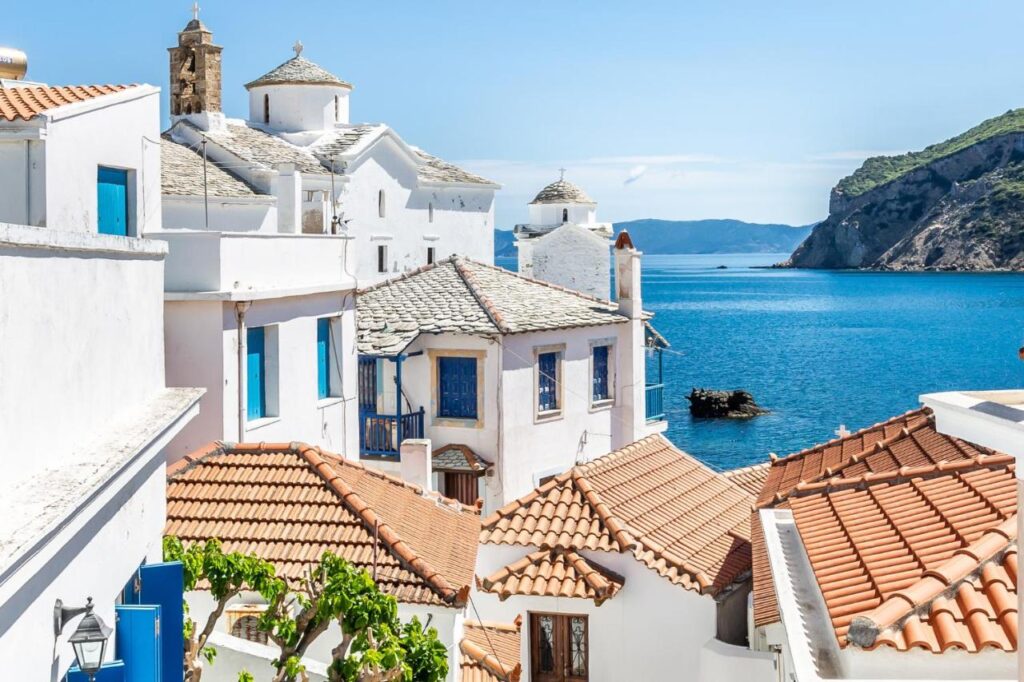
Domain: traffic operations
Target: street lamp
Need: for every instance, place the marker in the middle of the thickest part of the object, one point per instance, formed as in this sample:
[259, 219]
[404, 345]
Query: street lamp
[89, 640]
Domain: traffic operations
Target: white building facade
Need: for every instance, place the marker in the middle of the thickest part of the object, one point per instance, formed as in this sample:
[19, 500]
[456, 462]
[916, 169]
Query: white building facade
[511, 379]
[563, 243]
[85, 413]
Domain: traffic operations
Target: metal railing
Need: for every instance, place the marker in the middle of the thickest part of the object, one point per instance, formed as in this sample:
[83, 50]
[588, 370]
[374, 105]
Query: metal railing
[654, 400]
[379, 434]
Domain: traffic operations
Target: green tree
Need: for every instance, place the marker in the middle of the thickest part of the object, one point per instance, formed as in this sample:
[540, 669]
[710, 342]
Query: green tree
[226, 575]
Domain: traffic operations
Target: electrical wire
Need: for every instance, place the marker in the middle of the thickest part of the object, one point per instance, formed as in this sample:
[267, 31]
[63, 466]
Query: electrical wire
[490, 645]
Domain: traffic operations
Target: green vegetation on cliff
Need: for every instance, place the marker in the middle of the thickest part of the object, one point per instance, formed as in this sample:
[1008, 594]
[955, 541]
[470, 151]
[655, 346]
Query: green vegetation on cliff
[879, 170]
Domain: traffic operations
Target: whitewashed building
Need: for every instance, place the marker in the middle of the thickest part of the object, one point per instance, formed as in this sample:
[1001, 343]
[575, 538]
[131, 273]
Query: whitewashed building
[85, 412]
[563, 243]
[888, 554]
[633, 566]
[320, 173]
[259, 310]
[513, 380]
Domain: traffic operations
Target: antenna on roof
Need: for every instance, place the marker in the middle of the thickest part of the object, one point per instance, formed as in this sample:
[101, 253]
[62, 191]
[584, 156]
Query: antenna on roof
[297, 47]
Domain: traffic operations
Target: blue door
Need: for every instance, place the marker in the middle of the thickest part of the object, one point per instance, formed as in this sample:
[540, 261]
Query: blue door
[112, 201]
[138, 642]
[164, 585]
[256, 375]
[457, 387]
[110, 672]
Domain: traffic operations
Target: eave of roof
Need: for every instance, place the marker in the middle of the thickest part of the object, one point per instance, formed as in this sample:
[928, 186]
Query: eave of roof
[557, 572]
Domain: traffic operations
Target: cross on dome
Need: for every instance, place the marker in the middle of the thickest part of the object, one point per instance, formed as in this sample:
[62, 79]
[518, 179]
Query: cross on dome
[561, 174]
[297, 47]
[195, 11]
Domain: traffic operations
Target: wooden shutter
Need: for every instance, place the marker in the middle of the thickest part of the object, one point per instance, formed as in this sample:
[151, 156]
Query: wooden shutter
[112, 201]
[323, 362]
[457, 386]
[461, 486]
[138, 641]
[256, 396]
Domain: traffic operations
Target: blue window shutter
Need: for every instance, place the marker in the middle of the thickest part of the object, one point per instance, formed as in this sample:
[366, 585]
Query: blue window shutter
[457, 388]
[256, 395]
[138, 642]
[600, 373]
[164, 585]
[323, 357]
[112, 201]
[114, 671]
[547, 382]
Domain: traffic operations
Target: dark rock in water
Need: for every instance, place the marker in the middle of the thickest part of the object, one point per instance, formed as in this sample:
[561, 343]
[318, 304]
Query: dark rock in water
[722, 267]
[723, 404]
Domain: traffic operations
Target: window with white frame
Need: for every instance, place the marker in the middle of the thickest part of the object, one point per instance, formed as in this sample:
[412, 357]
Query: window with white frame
[549, 381]
[602, 372]
[262, 368]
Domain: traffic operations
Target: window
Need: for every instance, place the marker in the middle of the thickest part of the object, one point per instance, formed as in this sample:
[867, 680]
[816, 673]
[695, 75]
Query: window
[430, 212]
[547, 381]
[461, 486]
[380, 203]
[112, 201]
[337, 109]
[325, 361]
[456, 387]
[266, 108]
[558, 648]
[601, 380]
[430, 255]
[382, 258]
[565, 215]
[256, 377]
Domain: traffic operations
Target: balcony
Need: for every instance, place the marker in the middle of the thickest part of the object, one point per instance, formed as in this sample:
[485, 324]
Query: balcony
[654, 401]
[381, 435]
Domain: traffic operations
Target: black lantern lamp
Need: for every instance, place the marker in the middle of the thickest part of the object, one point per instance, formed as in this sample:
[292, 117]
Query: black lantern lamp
[89, 640]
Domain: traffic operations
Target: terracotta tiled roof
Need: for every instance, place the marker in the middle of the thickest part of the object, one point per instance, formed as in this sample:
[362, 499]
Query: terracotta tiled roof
[24, 102]
[907, 440]
[678, 517]
[458, 457]
[554, 573]
[750, 478]
[289, 503]
[462, 296]
[923, 557]
[490, 651]
[766, 603]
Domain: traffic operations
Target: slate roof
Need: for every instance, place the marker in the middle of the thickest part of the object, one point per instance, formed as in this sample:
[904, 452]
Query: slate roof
[562, 192]
[343, 140]
[684, 521]
[289, 503]
[458, 457]
[439, 170]
[181, 174]
[462, 296]
[261, 148]
[298, 71]
[923, 557]
[25, 102]
[490, 651]
[557, 572]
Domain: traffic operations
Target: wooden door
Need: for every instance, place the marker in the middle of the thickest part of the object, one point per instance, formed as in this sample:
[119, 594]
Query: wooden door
[461, 486]
[559, 648]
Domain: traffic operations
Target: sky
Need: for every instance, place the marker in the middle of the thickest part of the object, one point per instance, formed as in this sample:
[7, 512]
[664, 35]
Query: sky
[673, 110]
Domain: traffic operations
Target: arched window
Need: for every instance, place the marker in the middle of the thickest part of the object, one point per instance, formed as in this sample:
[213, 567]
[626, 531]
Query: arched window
[565, 215]
[430, 212]
[337, 109]
[380, 203]
[266, 108]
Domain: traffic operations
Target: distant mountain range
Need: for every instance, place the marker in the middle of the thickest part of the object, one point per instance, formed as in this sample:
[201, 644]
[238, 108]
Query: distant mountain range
[693, 236]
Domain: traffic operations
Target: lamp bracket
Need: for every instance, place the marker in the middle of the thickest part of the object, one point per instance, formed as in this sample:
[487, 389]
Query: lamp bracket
[62, 614]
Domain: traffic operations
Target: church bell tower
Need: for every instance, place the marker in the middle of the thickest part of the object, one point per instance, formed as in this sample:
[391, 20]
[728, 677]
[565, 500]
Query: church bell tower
[195, 70]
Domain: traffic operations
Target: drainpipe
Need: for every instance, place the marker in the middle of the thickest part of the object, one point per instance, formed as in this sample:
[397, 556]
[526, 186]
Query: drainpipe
[240, 308]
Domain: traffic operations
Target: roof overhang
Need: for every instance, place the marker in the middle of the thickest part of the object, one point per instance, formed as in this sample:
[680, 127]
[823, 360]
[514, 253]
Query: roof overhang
[261, 294]
[992, 419]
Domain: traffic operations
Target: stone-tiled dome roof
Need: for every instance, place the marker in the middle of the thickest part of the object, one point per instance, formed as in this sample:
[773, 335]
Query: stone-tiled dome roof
[298, 70]
[562, 192]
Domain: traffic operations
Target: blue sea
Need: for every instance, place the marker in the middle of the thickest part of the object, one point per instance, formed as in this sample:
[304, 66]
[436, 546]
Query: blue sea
[820, 349]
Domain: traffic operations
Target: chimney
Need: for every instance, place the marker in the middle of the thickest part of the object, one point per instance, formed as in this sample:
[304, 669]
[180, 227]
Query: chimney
[417, 463]
[627, 277]
[287, 187]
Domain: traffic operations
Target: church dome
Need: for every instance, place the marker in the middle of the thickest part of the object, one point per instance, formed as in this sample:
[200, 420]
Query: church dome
[298, 71]
[562, 192]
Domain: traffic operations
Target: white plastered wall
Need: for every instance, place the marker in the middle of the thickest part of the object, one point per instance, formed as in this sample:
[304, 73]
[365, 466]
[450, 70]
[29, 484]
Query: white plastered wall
[572, 257]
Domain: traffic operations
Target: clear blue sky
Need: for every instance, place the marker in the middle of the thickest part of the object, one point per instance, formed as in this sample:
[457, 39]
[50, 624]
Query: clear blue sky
[749, 110]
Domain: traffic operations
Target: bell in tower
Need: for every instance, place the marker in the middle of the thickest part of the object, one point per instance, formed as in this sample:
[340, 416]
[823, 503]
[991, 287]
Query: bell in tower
[195, 70]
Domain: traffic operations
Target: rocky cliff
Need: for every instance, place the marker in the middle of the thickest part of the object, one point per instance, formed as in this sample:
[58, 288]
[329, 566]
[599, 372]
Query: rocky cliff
[958, 205]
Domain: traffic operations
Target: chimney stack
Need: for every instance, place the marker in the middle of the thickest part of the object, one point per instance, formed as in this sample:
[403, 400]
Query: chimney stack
[627, 277]
[417, 464]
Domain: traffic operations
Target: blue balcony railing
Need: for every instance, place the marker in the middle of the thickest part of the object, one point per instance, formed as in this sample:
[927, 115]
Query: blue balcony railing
[379, 434]
[654, 400]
